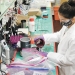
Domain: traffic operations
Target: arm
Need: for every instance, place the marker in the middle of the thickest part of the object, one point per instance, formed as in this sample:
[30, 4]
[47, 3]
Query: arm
[64, 60]
[53, 37]
[49, 38]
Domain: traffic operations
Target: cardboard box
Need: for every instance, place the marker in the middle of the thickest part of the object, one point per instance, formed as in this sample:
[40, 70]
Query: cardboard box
[36, 12]
[21, 17]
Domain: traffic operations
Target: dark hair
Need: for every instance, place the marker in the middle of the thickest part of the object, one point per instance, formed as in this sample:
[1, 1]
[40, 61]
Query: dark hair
[67, 9]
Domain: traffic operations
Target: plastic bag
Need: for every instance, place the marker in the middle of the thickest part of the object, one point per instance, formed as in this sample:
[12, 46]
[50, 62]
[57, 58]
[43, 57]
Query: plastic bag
[22, 69]
[30, 53]
[26, 71]
[36, 58]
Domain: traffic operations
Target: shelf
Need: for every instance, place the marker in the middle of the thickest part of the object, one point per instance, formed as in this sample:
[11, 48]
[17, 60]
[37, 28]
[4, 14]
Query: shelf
[4, 7]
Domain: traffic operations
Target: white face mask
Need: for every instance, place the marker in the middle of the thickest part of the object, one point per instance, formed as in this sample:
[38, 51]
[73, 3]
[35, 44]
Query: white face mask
[66, 23]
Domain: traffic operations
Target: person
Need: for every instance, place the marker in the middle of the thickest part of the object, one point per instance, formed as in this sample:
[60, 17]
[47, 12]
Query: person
[65, 55]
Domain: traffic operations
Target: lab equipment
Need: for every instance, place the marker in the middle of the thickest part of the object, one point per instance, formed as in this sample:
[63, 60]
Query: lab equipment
[31, 25]
[3, 45]
[25, 42]
[6, 48]
[23, 23]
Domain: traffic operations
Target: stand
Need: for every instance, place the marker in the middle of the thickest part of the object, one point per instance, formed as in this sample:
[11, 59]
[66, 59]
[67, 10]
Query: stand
[2, 72]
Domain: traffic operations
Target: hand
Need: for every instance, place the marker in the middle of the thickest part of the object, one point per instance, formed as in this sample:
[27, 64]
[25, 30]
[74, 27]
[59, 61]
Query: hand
[39, 41]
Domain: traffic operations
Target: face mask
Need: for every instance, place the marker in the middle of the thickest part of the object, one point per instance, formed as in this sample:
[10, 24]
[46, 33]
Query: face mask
[66, 23]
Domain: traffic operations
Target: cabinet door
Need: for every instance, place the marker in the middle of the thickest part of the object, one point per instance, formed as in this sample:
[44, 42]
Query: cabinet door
[56, 13]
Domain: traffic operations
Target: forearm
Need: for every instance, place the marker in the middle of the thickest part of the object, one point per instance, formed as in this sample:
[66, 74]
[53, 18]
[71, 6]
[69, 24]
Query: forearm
[59, 59]
[50, 38]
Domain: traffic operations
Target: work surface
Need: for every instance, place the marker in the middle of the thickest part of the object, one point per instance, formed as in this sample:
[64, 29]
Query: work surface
[42, 26]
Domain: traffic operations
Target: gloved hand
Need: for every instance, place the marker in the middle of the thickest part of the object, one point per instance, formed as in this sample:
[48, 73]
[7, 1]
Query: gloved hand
[39, 41]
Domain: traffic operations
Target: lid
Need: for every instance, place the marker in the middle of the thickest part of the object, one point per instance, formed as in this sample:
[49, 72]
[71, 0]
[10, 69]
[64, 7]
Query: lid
[25, 39]
[23, 20]
[31, 19]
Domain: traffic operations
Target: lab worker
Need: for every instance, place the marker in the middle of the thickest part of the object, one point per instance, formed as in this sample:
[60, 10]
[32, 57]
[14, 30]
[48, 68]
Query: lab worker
[65, 55]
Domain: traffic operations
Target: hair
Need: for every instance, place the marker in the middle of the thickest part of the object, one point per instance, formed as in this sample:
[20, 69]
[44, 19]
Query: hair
[67, 9]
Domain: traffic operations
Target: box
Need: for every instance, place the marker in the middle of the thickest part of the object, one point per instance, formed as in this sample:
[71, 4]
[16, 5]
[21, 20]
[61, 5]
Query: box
[33, 11]
[20, 17]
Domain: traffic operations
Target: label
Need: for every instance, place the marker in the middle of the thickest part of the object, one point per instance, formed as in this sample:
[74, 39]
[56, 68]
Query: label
[31, 26]
[19, 73]
[39, 73]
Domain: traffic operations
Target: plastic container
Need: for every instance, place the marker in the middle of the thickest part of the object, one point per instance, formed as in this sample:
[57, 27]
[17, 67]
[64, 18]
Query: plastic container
[23, 23]
[31, 25]
[25, 42]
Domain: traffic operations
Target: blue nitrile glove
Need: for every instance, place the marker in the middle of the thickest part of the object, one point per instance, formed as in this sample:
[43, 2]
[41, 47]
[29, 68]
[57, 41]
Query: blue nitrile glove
[39, 41]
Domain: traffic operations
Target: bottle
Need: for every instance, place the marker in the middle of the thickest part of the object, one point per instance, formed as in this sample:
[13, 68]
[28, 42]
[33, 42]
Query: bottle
[23, 23]
[31, 25]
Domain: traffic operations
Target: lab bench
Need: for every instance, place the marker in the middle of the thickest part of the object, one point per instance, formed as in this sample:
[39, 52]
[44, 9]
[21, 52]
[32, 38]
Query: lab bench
[42, 26]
